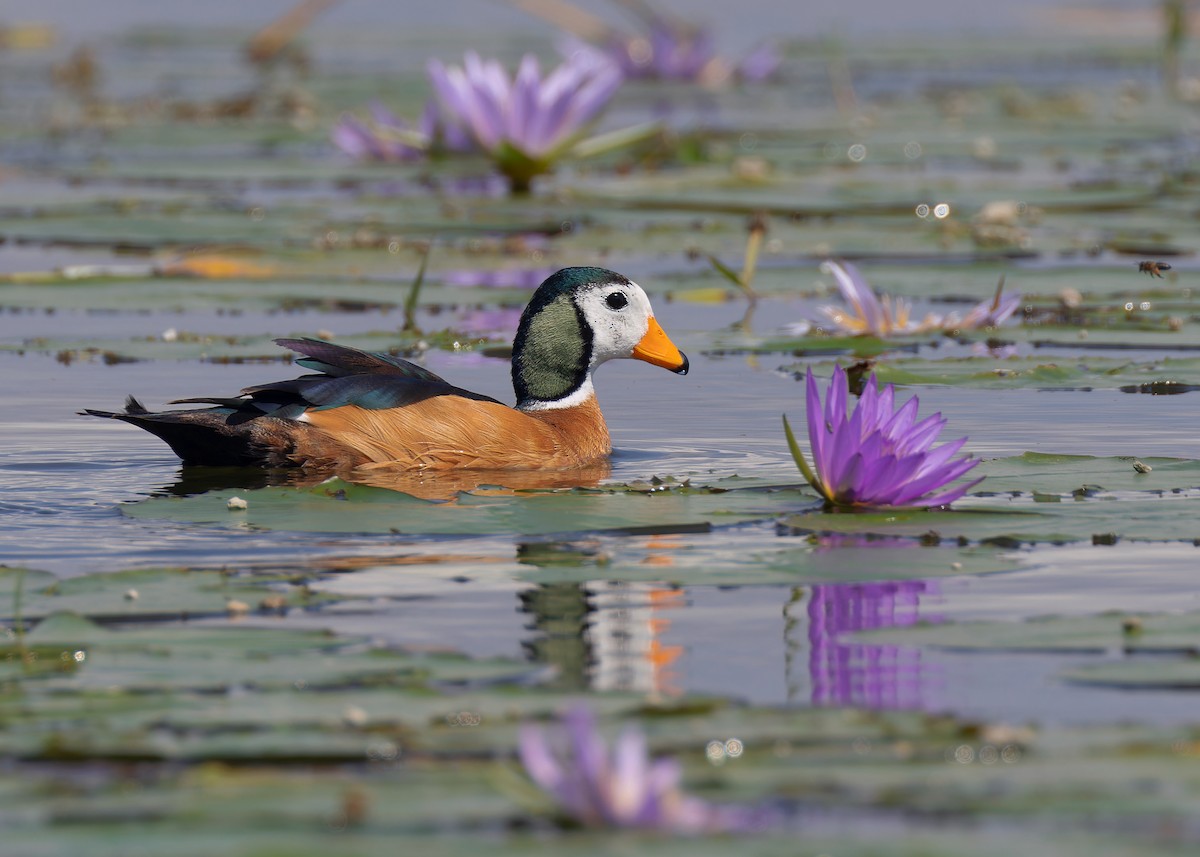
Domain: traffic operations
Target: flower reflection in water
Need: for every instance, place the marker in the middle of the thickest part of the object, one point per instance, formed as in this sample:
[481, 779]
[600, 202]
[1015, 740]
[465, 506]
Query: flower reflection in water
[863, 674]
[869, 675]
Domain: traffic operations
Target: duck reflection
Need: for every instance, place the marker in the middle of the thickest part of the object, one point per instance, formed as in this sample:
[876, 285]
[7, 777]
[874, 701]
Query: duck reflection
[559, 613]
[603, 634]
[424, 485]
[624, 633]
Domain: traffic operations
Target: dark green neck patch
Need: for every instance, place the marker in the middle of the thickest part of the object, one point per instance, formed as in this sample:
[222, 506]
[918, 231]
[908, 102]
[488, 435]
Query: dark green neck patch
[551, 352]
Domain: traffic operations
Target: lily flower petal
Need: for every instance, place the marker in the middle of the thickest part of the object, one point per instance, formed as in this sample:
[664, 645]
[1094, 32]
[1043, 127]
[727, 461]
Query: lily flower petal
[858, 294]
[877, 456]
[526, 121]
[885, 315]
[625, 789]
[539, 762]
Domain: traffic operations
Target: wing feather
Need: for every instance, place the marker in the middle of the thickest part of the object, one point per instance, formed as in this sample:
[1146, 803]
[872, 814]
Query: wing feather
[339, 360]
[348, 377]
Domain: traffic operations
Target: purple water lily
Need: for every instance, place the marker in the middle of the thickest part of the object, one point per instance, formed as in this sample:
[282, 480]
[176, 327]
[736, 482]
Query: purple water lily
[525, 122]
[667, 53]
[760, 64]
[990, 313]
[867, 313]
[388, 137]
[622, 789]
[672, 49]
[879, 455]
[884, 315]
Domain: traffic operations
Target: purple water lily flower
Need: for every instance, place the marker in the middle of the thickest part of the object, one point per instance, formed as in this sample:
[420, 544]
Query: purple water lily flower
[884, 315]
[525, 122]
[668, 53]
[879, 455]
[388, 137]
[760, 64]
[624, 788]
[867, 313]
[991, 313]
[677, 51]
[373, 141]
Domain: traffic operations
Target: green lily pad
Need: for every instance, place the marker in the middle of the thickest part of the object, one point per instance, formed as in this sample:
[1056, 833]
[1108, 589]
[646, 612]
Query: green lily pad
[147, 658]
[101, 840]
[1103, 477]
[233, 692]
[1013, 510]
[1040, 373]
[1140, 674]
[1103, 498]
[1158, 635]
[338, 506]
[189, 345]
[1022, 521]
[145, 594]
[742, 557]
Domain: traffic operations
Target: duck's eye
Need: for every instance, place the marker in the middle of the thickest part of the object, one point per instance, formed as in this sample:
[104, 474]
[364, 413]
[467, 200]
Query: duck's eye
[617, 300]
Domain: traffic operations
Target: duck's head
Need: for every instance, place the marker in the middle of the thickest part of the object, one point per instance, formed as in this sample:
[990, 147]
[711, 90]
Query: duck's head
[577, 319]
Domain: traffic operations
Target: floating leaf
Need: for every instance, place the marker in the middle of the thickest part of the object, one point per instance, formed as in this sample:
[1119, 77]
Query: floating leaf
[337, 506]
[1108, 633]
[1131, 674]
[147, 594]
[1013, 506]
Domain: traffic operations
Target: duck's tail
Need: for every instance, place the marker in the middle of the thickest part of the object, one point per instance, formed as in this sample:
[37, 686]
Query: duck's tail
[212, 436]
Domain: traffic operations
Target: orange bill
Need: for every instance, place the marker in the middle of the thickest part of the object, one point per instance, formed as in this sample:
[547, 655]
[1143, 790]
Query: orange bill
[657, 348]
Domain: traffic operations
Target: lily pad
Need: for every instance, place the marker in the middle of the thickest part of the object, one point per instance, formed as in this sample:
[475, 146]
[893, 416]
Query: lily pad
[265, 657]
[744, 557]
[106, 693]
[1051, 373]
[1012, 507]
[338, 506]
[1158, 635]
[145, 594]
[1131, 674]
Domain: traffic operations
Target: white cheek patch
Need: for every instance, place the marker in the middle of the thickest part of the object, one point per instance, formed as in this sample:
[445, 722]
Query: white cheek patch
[615, 332]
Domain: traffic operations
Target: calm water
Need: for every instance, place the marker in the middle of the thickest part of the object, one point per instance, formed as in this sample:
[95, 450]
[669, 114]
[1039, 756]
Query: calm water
[64, 477]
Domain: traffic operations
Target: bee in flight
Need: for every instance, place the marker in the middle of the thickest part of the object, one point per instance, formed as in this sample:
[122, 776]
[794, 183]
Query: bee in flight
[1154, 269]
